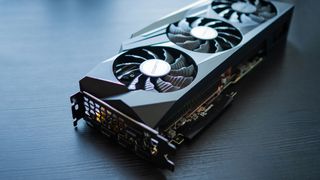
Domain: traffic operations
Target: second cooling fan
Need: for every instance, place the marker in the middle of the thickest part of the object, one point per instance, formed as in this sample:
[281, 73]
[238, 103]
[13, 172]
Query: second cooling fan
[160, 69]
[204, 35]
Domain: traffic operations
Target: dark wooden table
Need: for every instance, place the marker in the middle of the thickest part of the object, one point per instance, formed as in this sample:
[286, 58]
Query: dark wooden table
[272, 131]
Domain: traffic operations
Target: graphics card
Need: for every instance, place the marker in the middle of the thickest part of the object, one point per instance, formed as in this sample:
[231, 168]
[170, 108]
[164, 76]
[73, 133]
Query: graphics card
[173, 77]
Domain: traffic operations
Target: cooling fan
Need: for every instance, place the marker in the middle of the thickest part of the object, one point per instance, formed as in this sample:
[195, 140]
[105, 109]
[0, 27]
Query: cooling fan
[204, 35]
[160, 69]
[244, 11]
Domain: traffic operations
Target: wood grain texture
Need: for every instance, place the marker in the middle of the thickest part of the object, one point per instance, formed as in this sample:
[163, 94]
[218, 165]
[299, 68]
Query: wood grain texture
[272, 130]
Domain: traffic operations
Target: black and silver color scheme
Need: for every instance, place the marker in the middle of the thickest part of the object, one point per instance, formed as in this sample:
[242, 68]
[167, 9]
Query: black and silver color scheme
[172, 78]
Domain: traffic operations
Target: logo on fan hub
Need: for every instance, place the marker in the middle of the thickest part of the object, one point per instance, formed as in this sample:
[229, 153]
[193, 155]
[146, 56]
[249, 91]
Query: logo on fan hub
[243, 7]
[155, 67]
[204, 32]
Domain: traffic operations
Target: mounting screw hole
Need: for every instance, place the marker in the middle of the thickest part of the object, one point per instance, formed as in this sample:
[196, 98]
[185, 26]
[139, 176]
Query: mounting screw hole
[76, 107]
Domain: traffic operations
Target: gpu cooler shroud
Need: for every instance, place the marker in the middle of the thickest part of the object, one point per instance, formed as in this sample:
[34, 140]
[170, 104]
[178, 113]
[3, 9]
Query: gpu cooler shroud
[175, 76]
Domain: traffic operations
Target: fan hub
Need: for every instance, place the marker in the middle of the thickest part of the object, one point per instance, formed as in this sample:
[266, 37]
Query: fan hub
[243, 7]
[155, 68]
[204, 32]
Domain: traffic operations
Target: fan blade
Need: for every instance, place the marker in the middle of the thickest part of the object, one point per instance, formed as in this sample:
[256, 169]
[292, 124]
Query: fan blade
[179, 37]
[126, 68]
[178, 81]
[197, 22]
[164, 86]
[136, 57]
[256, 18]
[224, 43]
[148, 85]
[205, 47]
[217, 46]
[228, 14]
[127, 73]
[230, 34]
[176, 30]
[213, 23]
[168, 58]
[222, 28]
[224, 12]
[179, 63]
[246, 19]
[234, 17]
[132, 85]
[220, 5]
[222, 9]
[128, 64]
[184, 25]
[233, 32]
[230, 37]
[154, 56]
[185, 71]
[190, 44]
